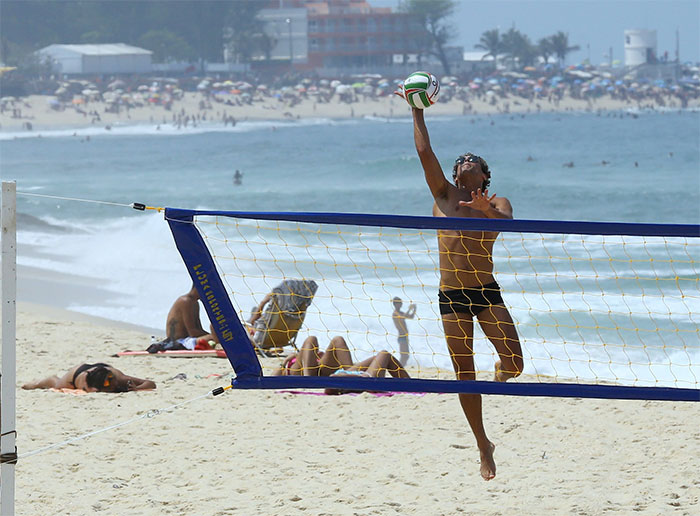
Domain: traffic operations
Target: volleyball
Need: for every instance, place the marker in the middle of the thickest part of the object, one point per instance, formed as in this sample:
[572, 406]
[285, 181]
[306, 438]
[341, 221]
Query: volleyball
[421, 89]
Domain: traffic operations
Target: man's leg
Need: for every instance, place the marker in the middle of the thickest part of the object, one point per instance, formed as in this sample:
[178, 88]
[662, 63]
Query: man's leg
[500, 330]
[403, 350]
[459, 331]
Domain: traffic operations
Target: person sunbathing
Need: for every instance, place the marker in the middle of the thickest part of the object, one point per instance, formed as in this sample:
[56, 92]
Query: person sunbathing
[93, 378]
[337, 361]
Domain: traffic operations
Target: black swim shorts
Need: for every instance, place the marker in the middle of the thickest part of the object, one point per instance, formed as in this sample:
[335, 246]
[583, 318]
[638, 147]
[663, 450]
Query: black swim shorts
[470, 300]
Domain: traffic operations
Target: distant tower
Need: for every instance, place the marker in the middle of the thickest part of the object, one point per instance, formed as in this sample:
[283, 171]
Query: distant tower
[640, 47]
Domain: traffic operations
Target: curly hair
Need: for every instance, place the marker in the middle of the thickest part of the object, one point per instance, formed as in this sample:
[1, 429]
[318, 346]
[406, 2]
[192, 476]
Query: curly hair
[484, 167]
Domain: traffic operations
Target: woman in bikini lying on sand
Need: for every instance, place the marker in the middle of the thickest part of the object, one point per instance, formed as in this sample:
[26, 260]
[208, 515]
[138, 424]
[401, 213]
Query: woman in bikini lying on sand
[93, 378]
[337, 361]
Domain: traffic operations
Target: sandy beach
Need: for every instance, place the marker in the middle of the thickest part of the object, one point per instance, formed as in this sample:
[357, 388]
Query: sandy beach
[36, 110]
[264, 452]
[178, 450]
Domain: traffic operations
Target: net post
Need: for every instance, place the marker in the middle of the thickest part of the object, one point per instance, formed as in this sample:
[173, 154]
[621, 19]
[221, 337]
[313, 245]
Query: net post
[202, 269]
[8, 450]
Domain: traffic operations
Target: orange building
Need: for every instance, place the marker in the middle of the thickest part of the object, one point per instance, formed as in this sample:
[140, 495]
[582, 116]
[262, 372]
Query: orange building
[352, 33]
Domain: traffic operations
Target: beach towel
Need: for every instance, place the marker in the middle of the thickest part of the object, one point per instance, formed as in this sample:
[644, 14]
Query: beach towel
[351, 393]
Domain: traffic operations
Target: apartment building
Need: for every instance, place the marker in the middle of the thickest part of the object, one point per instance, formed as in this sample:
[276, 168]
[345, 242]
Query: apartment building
[340, 34]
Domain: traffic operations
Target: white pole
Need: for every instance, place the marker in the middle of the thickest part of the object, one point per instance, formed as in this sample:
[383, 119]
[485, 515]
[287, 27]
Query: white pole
[8, 451]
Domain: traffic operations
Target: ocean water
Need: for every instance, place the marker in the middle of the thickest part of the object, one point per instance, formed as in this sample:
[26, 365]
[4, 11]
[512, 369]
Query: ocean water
[651, 174]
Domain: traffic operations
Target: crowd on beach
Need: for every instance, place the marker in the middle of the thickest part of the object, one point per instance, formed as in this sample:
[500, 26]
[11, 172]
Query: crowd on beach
[220, 99]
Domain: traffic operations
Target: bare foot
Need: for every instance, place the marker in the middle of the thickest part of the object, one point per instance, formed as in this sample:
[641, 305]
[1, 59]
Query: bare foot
[488, 466]
[496, 371]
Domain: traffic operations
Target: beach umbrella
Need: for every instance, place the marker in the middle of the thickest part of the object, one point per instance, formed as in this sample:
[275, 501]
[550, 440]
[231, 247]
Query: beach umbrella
[116, 84]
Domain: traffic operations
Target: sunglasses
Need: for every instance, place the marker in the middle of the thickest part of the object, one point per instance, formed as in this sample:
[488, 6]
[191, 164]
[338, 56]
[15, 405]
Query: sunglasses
[467, 159]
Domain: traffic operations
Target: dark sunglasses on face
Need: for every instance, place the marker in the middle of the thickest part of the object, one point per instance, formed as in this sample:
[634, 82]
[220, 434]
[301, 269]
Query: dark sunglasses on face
[467, 159]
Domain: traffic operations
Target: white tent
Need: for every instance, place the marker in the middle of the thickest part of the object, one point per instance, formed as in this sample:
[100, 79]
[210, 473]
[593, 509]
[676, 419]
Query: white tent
[113, 58]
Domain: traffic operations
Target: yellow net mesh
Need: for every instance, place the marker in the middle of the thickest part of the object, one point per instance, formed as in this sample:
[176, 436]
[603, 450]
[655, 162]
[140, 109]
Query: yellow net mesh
[586, 308]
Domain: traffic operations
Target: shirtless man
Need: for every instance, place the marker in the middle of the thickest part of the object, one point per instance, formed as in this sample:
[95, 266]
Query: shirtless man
[399, 319]
[467, 285]
[93, 378]
[183, 328]
[183, 318]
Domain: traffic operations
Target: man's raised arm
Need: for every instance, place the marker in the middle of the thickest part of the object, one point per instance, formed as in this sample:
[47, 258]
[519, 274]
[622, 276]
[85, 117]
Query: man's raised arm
[431, 166]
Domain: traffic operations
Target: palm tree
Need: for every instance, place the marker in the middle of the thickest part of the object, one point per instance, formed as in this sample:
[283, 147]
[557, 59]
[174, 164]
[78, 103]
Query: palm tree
[518, 47]
[433, 16]
[545, 48]
[560, 46]
[491, 42]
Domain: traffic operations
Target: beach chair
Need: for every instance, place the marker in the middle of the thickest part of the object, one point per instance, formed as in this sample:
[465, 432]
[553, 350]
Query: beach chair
[283, 316]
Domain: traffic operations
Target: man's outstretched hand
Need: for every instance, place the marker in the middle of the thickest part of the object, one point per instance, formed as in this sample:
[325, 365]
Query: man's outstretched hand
[480, 200]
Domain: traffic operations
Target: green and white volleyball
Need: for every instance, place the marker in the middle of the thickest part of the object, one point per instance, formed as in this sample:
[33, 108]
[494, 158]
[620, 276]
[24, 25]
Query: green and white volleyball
[421, 89]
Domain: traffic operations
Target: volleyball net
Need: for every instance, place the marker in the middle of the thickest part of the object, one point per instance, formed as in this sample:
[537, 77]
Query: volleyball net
[606, 310]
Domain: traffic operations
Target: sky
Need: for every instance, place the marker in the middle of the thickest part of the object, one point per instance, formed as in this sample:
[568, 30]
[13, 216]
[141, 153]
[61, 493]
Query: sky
[594, 25]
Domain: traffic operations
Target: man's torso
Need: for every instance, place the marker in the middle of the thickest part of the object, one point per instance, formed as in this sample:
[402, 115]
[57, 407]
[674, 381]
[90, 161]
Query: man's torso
[175, 325]
[466, 258]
